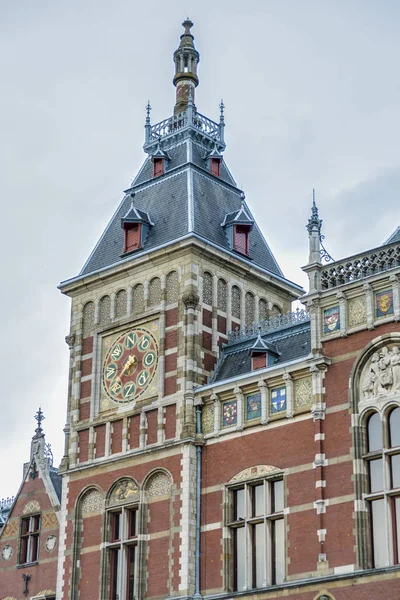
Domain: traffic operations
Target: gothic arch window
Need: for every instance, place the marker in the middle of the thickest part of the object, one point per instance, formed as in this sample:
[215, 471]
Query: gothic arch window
[235, 302]
[172, 285]
[88, 319]
[207, 288]
[121, 541]
[276, 311]
[121, 303]
[105, 310]
[138, 298]
[155, 295]
[255, 520]
[249, 307]
[222, 290]
[262, 310]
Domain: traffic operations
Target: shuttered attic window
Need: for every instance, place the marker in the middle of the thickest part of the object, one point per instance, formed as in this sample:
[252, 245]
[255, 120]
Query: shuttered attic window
[132, 233]
[241, 238]
[158, 167]
[258, 361]
[215, 167]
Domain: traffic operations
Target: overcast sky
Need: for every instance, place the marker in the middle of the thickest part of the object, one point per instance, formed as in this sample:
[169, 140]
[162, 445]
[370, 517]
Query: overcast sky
[312, 99]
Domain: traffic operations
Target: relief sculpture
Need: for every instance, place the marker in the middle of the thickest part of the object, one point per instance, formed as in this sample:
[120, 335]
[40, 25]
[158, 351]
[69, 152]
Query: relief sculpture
[382, 374]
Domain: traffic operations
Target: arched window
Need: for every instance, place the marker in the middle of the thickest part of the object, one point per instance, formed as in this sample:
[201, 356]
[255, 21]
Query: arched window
[235, 302]
[249, 309]
[374, 433]
[221, 295]
[276, 311]
[138, 298]
[172, 284]
[105, 310]
[262, 310]
[121, 303]
[207, 288]
[88, 319]
[394, 428]
[155, 295]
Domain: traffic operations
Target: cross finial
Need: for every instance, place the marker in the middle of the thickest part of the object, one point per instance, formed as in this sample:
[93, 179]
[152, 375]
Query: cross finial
[39, 416]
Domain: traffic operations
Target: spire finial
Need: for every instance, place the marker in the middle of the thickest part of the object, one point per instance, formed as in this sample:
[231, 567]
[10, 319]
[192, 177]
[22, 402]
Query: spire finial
[221, 110]
[148, 109]
[187, 24]
[186, 59]
[314, 222]
[39, 417]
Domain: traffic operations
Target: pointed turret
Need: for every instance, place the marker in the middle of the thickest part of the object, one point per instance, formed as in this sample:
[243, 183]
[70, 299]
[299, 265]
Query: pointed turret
[186, 59]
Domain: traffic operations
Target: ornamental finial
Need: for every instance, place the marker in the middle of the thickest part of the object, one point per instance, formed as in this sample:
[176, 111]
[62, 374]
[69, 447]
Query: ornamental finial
[39, 417]
[314, 222]
[148, 109]
[221, 111]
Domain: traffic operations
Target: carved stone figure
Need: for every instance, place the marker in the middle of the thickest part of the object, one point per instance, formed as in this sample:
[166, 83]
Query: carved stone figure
[381, 375]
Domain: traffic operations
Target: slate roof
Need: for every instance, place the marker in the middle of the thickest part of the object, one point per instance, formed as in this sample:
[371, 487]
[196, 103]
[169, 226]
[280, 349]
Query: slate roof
[291, 344]
[395, 237]
[187, 199]
[56, 480]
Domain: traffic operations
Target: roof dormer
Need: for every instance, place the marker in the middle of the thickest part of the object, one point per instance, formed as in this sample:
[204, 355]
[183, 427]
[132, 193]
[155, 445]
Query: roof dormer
[136, 225]
[237, 226]
[213, 161]
[160, 161]
[263, 354]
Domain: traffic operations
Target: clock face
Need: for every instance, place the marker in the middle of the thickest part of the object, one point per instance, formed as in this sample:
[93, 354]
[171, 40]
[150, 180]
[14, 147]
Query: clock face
[130, 365]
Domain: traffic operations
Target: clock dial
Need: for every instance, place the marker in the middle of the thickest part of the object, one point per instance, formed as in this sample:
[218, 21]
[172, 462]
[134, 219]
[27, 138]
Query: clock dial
[130, 365]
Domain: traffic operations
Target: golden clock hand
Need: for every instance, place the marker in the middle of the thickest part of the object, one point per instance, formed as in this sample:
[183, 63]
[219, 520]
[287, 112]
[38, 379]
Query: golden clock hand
[131, 361]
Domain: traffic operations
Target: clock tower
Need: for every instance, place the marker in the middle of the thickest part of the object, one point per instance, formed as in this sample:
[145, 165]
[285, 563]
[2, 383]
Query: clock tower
[180, 264]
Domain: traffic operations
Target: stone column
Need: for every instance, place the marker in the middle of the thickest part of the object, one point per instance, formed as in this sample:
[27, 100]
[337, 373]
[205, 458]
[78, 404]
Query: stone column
[217, 413]
[264, 401]
[240, 405]
[113, 298]
[369, 302]
[289, 395]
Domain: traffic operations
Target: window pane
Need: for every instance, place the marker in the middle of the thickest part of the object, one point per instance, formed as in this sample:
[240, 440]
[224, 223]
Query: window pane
[258, 555]
[25, 526]
[115, 567]
[279, 551]
[132, 523]
[395, 470]
[394, 427]
[374, 433]
[277, 496]
[240, 558]
[239, 504]
[258, 500]
[378, 532]
[376, 475]
[115, 525]
[131, 572]
[397, 526]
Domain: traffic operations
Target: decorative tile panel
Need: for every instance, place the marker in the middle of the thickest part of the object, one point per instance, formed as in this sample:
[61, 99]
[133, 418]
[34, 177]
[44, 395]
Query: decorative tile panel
[207, 419]
[253, 407]
[11, 528]
[92, 502]
[384, 304]
[138, 298]
[155, 295]
[172, 284]
[357, 311]
[303, 391]
[207, 288]
[249, 307]
[121, 303]
[278, 400]
[158, 485]
[221, 295]
[49, 520]
[88, 319]
[229, 413]
[235, 302]
[105, 310]
[31, 507]
[331, 320]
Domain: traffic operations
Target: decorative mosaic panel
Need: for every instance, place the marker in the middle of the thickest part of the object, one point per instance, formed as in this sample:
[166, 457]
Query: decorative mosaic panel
[249, 308]
[88, 319]
[207, 419]
[155, 295]
[32, 507]
[303, 391]
[11, 529]
[262, 310]
[49, 520]
[356, 311]
[222, 292]
[125, 491]
[159, 484]
[172, 284]
[253, 407]
[229, 413]
[278, 400]
[92, 502]
[235, 302]
[138, 298]
[121, 303]
[384, 304]
[207, 288]
[105, 310]
[331, 319]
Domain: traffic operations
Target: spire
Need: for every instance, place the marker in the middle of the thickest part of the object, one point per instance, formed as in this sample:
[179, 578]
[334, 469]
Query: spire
[186, 59]
[314, 233]
[38, 443]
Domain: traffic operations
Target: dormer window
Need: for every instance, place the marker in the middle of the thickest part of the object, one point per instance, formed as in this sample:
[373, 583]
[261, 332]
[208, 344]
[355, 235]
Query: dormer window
[133, 235]
[258, 361]
[263, 354]
[158, 167]
[241, 238]
[215, 166]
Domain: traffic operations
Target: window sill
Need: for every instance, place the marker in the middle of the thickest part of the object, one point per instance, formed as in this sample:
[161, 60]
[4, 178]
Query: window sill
[128, 252]
[26, 565]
